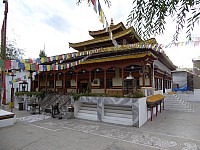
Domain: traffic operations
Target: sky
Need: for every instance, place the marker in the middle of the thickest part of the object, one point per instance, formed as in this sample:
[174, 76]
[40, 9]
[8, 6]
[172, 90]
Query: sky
[51, 25]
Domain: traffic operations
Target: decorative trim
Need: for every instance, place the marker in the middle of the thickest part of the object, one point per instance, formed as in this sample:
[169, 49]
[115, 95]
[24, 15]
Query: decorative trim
[116, 58]
[104, 39]
[94, 33]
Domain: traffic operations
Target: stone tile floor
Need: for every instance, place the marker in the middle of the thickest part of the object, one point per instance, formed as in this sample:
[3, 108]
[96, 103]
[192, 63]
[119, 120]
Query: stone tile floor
[169, 130]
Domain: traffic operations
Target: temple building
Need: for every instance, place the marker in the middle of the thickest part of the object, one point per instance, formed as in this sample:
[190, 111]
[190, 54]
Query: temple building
[113, 62]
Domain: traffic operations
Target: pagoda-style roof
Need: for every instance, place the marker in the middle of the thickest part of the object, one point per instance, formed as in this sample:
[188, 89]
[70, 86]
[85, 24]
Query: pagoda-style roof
[129, 34]
[122, 57]
[102, 33]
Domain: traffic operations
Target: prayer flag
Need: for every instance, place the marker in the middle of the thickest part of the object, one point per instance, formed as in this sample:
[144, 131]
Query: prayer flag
[27, 66]
[99, 7]
[95, 5]
[48, 68]
[101, 16]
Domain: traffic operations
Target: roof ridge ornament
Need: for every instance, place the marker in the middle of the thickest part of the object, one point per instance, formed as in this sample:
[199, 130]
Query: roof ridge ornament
[111, 23]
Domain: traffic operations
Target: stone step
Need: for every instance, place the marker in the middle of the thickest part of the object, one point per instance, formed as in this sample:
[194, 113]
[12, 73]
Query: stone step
[175, 103]
[88, 108]
[117, 120]
[178, 103]
[171, 106]
[127, 108]
[118, 115]
[87, 111]
[118, 111]
[86, 116]
[175, 109]
[89, 105]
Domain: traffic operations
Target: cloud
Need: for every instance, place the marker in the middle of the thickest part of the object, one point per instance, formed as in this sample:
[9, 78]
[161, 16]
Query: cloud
[55, 23]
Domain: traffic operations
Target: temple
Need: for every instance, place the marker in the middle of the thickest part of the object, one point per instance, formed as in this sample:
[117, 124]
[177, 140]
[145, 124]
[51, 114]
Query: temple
[114, 77]
[114, 62]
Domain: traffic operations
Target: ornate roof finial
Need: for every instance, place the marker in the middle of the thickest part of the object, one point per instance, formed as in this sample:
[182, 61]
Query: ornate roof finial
[111, 24]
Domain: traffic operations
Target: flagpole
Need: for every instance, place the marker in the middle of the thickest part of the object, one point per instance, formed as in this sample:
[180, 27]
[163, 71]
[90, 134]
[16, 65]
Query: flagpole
[4, 52]
[5, 27]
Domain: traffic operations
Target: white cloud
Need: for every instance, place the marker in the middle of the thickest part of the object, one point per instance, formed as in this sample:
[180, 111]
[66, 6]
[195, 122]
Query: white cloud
[55, 23]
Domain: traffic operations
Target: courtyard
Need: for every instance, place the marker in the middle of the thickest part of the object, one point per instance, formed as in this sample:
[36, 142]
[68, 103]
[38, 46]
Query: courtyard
[169, 130]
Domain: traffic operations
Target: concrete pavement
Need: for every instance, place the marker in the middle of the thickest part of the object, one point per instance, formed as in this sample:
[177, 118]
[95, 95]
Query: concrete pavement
[169, 130]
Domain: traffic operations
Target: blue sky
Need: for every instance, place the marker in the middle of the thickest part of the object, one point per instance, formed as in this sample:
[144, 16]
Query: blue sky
[33, 23]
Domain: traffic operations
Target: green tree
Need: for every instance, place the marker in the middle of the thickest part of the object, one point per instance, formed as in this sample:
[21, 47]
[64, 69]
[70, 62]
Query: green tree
[42, 54]
[12, 52]
[149, 16]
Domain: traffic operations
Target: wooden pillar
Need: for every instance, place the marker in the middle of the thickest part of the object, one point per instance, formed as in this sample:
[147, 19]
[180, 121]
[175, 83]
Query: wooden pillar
[46, 83]
[151, 108]
[31, 80]
[76, 82]
[122, 80]
[54, 80]
[163, 103]
[143, 76]
[151, 75]
[64, 82]
[105, 82]
[90, 80]
[160, 105]
[38, 82]
[156, 109]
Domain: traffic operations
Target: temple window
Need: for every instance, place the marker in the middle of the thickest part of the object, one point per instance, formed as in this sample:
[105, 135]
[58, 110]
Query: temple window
[68, 85]
[109, 83]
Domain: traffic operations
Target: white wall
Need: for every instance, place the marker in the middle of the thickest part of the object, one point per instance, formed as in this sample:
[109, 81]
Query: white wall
[142, 111]
[16, 84]
[180, 78]
[161, 66]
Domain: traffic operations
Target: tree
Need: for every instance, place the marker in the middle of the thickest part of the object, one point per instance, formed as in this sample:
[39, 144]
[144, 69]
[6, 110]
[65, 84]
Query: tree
[12, 52]
[42, 54]
[149, 16]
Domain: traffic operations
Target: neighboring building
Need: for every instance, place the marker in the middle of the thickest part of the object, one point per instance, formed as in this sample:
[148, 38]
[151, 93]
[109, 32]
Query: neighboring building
[183, 79]
[15, 81]
[196, 72]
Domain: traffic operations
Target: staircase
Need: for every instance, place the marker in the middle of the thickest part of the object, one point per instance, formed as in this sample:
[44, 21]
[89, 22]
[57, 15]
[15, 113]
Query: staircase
[118, 114]
[87, 111]
[173, 102]
[48, 101]
[111, 113]
[63, 100]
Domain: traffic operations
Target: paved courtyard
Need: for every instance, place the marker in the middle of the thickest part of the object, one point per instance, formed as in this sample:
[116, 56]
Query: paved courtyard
[169, 130]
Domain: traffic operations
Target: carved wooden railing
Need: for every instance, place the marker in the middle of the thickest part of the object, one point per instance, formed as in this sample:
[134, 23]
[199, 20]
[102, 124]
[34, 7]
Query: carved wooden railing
[51, 100]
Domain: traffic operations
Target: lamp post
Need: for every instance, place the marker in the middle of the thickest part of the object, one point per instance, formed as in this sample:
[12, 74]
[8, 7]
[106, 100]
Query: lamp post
[12, 93]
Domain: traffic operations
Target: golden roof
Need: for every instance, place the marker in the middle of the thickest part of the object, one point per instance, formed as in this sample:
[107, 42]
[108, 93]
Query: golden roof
[130, 30]
[117, 58]
[112, 28]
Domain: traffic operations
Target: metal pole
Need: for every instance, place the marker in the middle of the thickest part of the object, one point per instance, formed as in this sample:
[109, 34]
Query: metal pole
[12, 94]
[4, 50]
